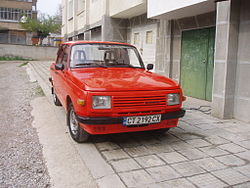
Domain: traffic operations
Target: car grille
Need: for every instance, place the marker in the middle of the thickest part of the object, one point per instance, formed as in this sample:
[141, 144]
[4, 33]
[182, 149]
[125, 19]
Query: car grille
[139, 101]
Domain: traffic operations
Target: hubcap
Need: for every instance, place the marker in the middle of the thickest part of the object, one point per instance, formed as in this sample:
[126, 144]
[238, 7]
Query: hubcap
[73, 123]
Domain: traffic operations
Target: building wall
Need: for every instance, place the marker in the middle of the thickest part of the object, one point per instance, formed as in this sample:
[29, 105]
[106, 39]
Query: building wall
[175, 9]
[16, 4]
[242, 91]
[97, 9]
[30, 52]
[126, 9]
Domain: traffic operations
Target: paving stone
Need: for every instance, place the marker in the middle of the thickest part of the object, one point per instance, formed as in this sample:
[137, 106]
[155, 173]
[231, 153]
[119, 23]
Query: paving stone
[163, 173]
[125, 165]
[160, 148]
[230, 176]
[129, 143]
[110, 181]
[216, 140]
[115, 155]
[193, 154]
[231, 147]
[198, 143]
[149, 161]
[206, 180]
[107, 146]
[172, 157]
[138, 151]
[136, 178]
[233, 137]
[168, 138]
[210, 164]
[149, 140]
[178, 183]
[181, 145]
[213, 151]
[206, 126]
[245, 144]
[188, 168]
[245, 170]
[244, 185]
[231, 160]
[187, 136]
[244, 155]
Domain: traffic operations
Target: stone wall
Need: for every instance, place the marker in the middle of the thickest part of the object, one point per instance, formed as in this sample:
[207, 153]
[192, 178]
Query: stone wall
[30, 52]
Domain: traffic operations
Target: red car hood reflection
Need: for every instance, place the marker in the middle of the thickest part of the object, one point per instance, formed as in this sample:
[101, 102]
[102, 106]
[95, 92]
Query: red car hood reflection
[120, 79]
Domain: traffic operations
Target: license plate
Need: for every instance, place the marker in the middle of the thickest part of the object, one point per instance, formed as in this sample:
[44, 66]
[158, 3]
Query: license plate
[142, 120]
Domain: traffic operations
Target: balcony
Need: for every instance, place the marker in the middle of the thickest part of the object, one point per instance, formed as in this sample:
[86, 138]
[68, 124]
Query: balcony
[175, 9]
[127, 9]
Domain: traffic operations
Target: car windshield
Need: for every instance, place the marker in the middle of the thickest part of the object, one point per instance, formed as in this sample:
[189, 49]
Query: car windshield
[104, 55]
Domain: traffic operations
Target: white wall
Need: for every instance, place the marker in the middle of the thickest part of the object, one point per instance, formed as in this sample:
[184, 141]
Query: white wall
[97, 10]
[30, 52]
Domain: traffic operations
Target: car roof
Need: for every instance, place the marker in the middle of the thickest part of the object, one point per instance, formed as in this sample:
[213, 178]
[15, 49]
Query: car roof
[96, 42]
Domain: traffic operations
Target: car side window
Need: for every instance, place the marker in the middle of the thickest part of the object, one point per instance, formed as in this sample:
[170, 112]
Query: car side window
[65, 57]
[59, 56]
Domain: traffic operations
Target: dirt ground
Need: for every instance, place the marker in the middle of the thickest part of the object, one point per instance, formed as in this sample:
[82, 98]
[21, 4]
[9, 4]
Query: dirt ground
[21, 159]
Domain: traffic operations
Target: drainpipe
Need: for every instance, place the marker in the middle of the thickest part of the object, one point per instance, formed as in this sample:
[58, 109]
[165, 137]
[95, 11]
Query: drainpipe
[171, 49]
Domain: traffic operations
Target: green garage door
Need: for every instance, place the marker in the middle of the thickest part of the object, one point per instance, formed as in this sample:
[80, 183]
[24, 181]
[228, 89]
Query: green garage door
[197, 63]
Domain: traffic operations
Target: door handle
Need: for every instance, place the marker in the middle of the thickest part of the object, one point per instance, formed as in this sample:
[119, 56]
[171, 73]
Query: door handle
[204, 61]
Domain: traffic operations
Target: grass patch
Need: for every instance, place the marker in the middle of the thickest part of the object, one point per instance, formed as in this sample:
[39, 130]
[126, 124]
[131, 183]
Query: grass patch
[13, 58]
[39, 92]
[24, 64]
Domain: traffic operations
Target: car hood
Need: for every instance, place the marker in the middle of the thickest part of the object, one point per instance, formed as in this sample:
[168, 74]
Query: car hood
[120, 79]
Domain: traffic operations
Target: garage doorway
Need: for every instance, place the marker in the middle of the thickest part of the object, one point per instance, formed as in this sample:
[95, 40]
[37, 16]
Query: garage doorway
[197, 63]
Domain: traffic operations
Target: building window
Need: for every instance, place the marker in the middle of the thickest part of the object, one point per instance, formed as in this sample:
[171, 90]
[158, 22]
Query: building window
[13, 14]
[136, 38]
[81, 5]
[70, 10]
[25, 0]
[149, 37]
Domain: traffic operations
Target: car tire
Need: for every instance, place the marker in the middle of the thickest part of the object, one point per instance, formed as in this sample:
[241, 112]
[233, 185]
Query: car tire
[77, 133]
[55, 99]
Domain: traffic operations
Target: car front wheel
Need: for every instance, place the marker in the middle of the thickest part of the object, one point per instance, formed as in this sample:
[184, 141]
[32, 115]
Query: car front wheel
[77, 133]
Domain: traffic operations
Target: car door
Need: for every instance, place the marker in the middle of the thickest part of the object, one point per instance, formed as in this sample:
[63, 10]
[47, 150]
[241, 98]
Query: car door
[55, 73]
[63, 76]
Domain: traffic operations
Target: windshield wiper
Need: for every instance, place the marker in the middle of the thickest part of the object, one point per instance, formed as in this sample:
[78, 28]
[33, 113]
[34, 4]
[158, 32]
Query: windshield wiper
[96, 64]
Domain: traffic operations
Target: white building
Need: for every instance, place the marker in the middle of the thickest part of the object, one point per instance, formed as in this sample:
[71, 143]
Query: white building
[202, 44]
[111, 20]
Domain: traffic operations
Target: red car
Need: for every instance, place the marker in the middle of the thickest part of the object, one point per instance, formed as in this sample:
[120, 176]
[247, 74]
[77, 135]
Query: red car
[105, 88]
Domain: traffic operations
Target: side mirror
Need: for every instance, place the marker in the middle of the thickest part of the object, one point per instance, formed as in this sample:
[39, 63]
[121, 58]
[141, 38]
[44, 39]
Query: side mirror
[59, 66]
[150, 66]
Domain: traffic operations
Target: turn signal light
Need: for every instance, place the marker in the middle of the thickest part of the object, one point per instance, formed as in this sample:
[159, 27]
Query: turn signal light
[81, 102]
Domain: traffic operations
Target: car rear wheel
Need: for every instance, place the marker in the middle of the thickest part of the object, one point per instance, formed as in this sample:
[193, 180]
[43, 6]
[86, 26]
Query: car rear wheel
[55, 98]
[77, 133]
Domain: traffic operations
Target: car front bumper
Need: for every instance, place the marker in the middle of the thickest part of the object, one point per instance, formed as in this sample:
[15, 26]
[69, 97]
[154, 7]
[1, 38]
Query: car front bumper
[108, 125]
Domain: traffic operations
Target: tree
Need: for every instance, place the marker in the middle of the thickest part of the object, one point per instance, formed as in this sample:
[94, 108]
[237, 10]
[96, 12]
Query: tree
[42, 26]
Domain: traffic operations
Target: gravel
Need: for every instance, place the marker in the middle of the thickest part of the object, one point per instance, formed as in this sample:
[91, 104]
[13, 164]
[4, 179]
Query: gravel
[21, 159]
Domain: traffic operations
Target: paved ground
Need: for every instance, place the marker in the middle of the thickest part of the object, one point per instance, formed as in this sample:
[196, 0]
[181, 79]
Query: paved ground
[21, 159]
[202, 152]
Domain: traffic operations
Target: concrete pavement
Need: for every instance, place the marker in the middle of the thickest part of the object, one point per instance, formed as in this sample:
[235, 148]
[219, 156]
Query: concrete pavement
[201, 152]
